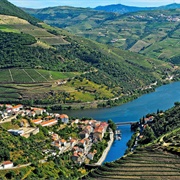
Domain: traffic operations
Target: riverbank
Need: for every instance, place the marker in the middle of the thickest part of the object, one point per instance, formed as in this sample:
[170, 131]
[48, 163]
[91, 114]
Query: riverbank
[131, 111]
[98, 104]
[105, 152]
[107, 103]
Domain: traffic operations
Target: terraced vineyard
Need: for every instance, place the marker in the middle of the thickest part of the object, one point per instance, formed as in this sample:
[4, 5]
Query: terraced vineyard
[151, 163]
[21, 84]
[38, 84]
[15, 24]
[32, 75]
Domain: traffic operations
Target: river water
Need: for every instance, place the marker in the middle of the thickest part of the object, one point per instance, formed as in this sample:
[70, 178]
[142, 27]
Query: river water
[163, 98]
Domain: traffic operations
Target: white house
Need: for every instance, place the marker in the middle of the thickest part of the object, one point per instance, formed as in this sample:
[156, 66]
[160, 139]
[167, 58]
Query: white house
[38, 111]
[16, 132]
[7, 164]
[90, 156]
[17, 107]
[64, 118]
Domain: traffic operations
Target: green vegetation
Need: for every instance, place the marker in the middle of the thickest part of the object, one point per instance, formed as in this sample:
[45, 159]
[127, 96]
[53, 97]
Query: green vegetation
[107, 72]
[153, 33]
[147, 163]
[33, 75]
[112, 125]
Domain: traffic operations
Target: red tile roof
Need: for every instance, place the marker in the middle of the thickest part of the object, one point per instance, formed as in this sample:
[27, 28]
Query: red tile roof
[7, 162]
[37, 121]
[49, 123]
[17, 106]
[62, 116]
[73, 140]
[63, 140]
[98, 129]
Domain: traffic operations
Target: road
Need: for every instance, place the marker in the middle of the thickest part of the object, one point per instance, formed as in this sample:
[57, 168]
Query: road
[105, 152]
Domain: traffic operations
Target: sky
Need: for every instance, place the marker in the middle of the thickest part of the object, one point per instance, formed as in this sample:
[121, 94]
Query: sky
[89, 3]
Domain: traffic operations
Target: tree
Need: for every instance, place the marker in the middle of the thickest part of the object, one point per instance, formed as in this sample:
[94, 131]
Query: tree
[177, 103]
[148, 135]
[112, 125]
[10, 175]
[4, 154]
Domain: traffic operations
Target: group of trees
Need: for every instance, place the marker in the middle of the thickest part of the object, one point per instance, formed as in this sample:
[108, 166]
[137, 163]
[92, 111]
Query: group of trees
[15, 52]
[163, 123]
[168, 121]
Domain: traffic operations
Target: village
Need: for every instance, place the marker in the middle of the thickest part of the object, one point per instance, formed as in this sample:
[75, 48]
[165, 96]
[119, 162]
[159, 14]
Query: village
[88, 132]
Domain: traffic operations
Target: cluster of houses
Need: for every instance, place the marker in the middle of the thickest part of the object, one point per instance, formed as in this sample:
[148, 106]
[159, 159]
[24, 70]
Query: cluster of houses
[92, 131]
[9, 110]
[51, 120]
[174, 18]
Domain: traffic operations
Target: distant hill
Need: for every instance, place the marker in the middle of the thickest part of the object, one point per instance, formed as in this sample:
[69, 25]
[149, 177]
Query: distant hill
[152, 33]
[122, 9]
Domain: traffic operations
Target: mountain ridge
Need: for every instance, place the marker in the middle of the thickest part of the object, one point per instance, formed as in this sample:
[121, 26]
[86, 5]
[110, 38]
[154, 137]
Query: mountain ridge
[122, 9]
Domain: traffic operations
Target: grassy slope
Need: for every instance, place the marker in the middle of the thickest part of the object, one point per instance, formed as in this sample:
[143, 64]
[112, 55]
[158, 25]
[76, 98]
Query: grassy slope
[135, 66]
[152, 33]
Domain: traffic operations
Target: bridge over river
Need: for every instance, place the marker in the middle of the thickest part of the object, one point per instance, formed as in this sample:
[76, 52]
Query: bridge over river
[125, 123]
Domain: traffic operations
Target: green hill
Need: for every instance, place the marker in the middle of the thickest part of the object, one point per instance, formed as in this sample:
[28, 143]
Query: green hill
[101, 72]
[8, 8]
[152, 33]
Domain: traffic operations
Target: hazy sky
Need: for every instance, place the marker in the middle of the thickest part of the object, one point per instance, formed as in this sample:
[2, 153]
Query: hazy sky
[89, 3]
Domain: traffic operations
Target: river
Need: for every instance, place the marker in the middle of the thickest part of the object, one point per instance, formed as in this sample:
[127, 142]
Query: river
[163, 98]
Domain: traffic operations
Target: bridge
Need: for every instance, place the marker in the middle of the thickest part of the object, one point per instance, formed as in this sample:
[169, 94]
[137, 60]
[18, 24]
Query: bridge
[125, 123]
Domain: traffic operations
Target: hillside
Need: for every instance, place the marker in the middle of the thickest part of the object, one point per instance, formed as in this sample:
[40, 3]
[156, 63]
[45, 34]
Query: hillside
[99, 72]
[152, 33]
[122, 9]
[158, 159]
[8, 8]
